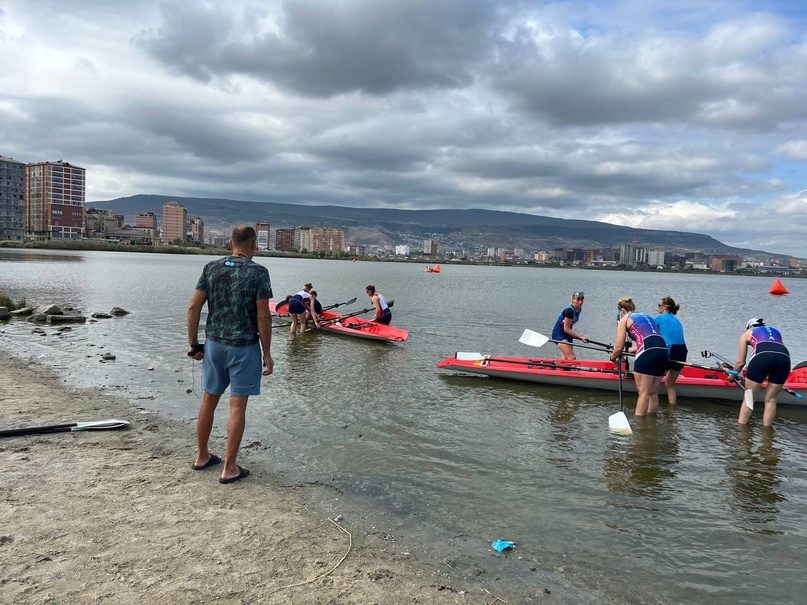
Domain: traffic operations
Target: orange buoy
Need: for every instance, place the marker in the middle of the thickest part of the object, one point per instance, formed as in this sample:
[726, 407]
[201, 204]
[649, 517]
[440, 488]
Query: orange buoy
[778, 288]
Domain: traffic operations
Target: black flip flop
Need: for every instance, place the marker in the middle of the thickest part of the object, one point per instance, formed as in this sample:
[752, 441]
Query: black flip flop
[242, 472]
[211, 462]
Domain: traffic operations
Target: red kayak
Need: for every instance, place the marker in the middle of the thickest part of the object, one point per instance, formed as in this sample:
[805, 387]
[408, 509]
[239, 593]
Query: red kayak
[352, 325]
[694, 382]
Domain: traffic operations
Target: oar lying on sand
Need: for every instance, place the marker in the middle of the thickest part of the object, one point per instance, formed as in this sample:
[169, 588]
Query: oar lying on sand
[96, 425]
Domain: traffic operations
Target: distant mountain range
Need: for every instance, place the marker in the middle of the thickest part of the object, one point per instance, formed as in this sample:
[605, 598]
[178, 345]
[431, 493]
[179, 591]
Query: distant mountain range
[451, 229]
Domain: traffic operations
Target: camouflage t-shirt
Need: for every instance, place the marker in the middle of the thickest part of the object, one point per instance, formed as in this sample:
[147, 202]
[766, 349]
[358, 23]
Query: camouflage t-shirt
[232, 285]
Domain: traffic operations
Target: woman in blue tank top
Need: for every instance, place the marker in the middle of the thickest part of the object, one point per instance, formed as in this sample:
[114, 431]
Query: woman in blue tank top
[673, 333]
[652, 357]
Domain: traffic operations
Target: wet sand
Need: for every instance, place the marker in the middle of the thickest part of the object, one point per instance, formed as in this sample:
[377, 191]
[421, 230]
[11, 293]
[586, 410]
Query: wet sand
[120, 517]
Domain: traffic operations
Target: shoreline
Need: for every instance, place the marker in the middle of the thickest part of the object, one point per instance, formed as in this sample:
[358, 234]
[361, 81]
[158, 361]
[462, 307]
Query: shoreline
[120, 517]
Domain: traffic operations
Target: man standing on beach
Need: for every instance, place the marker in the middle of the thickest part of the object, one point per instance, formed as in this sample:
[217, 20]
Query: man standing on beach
[238, 334]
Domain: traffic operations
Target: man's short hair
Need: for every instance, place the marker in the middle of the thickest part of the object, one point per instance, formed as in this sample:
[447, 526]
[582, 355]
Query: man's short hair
[243, 234]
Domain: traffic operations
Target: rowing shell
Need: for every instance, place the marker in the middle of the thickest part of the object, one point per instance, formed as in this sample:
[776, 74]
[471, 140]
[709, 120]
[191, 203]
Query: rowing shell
[695, 383]
[356, 327]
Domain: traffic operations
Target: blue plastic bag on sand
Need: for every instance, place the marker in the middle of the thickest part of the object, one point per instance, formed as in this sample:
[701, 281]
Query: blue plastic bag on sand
[500, 545]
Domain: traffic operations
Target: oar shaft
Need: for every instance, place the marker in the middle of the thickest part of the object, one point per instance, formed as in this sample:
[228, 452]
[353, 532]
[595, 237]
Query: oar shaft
[549, 364]
[341, 304]
[727, 362]
[98, 425]
[37, 430]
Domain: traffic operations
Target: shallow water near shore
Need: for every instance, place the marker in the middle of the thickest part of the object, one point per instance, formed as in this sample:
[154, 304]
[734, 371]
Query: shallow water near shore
[688, 509]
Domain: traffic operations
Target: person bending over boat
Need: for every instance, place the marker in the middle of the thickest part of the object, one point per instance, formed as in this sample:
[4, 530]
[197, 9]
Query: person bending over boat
[383, 315]
[673, 333]
[562, 331]
[300, 308]
[769, 360]
[650, 348]
[316, 307]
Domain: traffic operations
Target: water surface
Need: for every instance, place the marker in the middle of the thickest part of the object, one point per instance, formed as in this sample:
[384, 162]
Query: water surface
[688, 509]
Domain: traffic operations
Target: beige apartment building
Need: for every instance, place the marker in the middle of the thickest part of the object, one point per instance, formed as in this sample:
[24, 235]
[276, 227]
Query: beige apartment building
[175, 222]
[55, 193]
[326, 239]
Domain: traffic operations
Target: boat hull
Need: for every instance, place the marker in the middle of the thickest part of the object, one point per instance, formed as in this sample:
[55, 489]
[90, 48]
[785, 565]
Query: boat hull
[357, 327]
[693, 383]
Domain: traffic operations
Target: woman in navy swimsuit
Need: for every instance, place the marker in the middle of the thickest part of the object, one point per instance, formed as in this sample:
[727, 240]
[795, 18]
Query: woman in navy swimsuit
[770, 360]
[652, 357]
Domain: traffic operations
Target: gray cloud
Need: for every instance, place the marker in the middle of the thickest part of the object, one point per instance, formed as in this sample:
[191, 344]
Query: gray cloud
[685, 116]
[327, 48]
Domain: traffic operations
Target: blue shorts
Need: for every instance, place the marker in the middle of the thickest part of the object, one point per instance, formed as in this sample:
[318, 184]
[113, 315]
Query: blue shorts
[654, 360]
[771, 361]
[240, 368]
[678, 356]
[296, 306]
[561, 336]
[386, 318]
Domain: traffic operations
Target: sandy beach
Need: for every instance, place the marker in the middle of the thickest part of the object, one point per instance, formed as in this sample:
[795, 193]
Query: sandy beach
[120, 517]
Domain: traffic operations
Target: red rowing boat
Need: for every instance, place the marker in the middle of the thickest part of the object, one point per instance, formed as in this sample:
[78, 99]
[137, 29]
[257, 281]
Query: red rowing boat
[694, 382]
[352, 325]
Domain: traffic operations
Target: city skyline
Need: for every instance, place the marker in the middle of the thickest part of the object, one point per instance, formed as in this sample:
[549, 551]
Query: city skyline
[673, 117]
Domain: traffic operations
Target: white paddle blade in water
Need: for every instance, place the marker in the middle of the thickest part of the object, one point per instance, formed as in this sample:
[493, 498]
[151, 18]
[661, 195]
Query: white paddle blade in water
[533, 339]
[748, 398]
[619, 423]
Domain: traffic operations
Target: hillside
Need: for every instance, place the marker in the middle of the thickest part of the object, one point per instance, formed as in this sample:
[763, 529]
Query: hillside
[464, 229]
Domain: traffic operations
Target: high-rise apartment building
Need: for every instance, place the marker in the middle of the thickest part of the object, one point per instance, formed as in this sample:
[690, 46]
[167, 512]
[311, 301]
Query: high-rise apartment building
[175, 222]
[284, 239]
[196, 228]
[326, 239]
[12, 199]
[302, 239]
[54, 201]
[310, 239]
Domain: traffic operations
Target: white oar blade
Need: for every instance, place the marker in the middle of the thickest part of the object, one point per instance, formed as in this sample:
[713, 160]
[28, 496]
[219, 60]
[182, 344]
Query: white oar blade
[100, 425]
[619, 423]
[748, 398]
[468, 356]
[533, 339]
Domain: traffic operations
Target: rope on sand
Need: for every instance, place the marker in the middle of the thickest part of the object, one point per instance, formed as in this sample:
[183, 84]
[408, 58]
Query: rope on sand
[330, 571]
[495, 598]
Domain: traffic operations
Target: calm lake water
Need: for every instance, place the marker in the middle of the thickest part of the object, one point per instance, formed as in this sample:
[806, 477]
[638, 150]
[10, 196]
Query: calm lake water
[688, 509]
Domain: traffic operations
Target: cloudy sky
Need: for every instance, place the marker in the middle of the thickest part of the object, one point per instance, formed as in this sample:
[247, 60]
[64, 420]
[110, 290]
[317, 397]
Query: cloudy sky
[632, 112]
